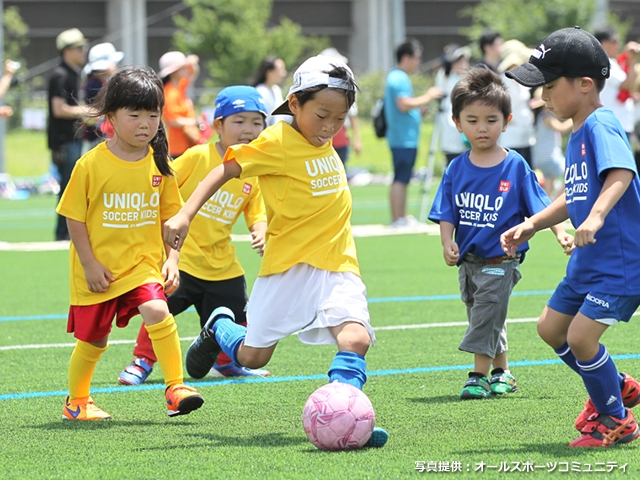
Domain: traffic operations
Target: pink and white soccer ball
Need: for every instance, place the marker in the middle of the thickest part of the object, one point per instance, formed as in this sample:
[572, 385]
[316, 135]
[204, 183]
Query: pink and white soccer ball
[338, 416]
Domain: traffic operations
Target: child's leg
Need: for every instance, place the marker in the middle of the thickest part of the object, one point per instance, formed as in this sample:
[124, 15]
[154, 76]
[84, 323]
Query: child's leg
[144, 347]
[482, 363]
[349, 364]
[501, 361]
[83, 362]
[552, 328]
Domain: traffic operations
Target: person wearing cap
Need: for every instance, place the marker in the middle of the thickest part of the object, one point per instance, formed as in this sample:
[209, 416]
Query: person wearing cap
[403, 114]
[520, 135]
[455, 64]
[271, 73]
[309, 281]
[178, 72]
[103, 60]
[210, 273]
[341, 141]
[602, 199]
[64, 132]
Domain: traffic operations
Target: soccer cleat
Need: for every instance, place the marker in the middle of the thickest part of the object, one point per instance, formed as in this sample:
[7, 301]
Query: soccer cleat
[135, 373]
[378, 438]
[182, 399]
[503, 383]
[204, 350]
[82, 409]
[234, 370]
[605, 431]
[476, 388]
[630, 398]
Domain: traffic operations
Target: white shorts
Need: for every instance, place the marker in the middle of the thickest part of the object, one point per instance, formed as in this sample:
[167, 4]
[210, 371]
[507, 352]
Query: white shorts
[306, 300]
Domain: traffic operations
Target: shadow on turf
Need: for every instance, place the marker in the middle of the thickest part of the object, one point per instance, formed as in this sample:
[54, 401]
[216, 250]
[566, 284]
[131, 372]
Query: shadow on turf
[105, 424]
[559, 451]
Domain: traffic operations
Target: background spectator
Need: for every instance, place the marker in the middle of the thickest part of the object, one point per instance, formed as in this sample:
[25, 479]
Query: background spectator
[271, 72]
[5, 82]
[490, 43]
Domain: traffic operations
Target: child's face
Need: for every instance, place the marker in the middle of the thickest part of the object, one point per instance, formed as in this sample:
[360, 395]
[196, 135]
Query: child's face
[241, 127]
[320, 118]
[135, 128]
[562, 97]
[482, 124]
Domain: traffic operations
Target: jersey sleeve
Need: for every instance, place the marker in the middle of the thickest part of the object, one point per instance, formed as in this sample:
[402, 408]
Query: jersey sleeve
[254, 210]
[611, 150]
[73, 203]
[443, 208]
[171, 201]
[533, 198]
[263, 156]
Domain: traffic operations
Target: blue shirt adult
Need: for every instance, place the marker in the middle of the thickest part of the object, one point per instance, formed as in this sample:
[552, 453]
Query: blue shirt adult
[484, 202]
[403, 128]
[612, 264]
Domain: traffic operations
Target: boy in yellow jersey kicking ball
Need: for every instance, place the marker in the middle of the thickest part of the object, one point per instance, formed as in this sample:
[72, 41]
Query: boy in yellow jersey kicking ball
[309, 281]
[210, 273]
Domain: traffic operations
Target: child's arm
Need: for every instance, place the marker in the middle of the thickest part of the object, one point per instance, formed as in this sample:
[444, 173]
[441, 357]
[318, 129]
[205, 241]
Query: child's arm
[449, 247]
[176, 228]
[98, 277]
[552, 215]
[258, 231]
[616, 183]
[170, 270]
[558, 125]
[564, 239]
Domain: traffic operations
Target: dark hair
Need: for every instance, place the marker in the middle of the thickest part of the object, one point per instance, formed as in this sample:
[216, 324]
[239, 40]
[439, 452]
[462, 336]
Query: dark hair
[606, 32]
[483, 86]
[341, 73]
[137, 88]
[410, 47]
[487, 38]
[268, 64]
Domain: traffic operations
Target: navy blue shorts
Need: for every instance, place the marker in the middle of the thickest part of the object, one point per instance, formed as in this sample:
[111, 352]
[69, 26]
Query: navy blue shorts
[601, 307]
[404, 160]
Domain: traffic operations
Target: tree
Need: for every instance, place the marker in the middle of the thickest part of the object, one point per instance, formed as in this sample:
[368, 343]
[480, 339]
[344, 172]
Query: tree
[15, 31]
[232, 37]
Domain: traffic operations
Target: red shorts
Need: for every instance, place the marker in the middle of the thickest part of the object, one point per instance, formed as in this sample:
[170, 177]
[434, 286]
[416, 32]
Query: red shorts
[92, 323]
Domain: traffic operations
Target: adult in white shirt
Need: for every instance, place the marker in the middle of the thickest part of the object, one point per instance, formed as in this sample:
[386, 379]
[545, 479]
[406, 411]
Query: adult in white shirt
[271, 72]
[616, 94]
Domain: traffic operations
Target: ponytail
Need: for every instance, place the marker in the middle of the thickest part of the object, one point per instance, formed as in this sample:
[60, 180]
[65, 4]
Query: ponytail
[160, 146]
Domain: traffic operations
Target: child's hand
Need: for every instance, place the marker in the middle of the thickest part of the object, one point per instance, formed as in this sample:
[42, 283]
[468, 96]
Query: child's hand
[175, 231]
[516, 236]
[98, 277]
[451, 253]
[171, 275]
[258, 241]
[566, 242]
[586, 233]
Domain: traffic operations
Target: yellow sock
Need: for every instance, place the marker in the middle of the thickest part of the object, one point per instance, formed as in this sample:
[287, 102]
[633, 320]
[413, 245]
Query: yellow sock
[166, 345]
[81, 367]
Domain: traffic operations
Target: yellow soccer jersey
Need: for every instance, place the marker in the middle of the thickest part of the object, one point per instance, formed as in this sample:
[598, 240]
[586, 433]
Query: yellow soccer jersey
[123, 205]
[307, 198]
[207, 252]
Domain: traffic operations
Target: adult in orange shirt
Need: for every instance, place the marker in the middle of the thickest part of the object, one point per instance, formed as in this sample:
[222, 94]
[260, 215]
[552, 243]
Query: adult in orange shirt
[177, 72]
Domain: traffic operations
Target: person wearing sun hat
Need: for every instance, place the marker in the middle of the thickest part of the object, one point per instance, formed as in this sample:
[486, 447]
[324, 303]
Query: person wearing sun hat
[602, 199]
[103, 60]
[64, 133]
[178, 71]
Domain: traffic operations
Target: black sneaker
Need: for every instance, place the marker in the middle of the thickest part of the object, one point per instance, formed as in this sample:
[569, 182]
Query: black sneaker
[204, 350]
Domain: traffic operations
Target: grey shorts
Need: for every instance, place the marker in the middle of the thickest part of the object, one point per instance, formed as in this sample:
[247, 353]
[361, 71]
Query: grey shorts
[485, 289]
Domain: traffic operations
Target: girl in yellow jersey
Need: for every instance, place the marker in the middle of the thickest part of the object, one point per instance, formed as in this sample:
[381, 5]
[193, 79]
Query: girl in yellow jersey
[309, 281]
[118, 197]
[210, 272]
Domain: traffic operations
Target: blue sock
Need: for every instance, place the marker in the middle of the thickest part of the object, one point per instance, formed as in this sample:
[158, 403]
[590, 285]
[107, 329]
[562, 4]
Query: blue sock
[601, 378]
[349, 367]
[229, 336]
[566, 355]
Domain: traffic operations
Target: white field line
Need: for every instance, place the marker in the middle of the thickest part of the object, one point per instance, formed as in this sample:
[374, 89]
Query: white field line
[190, 339]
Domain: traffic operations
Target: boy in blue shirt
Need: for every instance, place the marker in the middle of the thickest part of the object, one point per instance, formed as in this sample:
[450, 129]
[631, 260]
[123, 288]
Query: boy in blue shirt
[601, 197]
[484, 192]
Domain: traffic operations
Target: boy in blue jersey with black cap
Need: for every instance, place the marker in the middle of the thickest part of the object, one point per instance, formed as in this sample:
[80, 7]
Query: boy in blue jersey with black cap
[601, 197]
[484, 192]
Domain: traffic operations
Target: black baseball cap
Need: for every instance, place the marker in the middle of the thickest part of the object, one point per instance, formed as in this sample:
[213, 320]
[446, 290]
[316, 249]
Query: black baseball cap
[569, 52]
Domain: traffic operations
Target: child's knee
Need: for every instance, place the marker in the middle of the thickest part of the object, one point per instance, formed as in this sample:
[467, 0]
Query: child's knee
[354, 338]
[254, 357]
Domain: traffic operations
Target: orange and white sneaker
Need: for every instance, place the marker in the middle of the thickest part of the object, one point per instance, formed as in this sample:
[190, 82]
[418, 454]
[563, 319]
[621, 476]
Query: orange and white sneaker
[182, 399]
[630, 398]
[606, 431]
[83, 409]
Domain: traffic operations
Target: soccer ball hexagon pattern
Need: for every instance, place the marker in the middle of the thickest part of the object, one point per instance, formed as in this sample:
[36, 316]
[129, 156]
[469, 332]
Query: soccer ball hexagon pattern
[338, 416]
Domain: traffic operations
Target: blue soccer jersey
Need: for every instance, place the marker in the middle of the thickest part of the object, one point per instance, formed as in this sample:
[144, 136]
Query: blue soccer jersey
[482, 203]
[612, 264]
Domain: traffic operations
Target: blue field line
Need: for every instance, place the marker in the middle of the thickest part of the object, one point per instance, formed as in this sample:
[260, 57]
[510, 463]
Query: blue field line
[370, 300]
[295, 378]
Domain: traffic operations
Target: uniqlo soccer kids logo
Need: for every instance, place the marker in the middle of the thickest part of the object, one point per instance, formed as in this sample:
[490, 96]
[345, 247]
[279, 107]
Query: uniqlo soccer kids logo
[156, 180]
[583, 150]
[246, 189]
[505, 186]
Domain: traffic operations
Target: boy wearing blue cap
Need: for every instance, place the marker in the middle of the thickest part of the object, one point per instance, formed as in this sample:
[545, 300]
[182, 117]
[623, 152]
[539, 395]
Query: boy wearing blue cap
[210, 273]
[602, 200]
